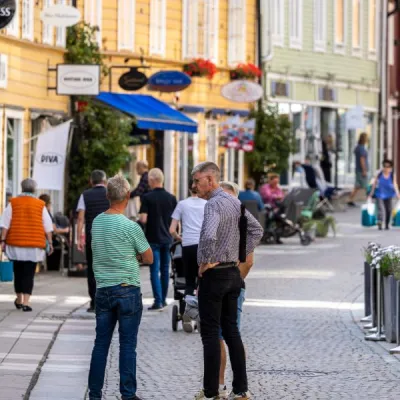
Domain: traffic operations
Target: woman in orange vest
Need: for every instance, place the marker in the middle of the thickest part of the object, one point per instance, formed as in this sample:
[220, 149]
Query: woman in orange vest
[25, 225]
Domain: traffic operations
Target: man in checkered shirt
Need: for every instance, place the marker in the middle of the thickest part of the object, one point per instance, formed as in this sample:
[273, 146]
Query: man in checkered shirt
[221, 279]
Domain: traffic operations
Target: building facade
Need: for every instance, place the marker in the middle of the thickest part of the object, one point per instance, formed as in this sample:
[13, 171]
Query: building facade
[165, 35]
[320, 61]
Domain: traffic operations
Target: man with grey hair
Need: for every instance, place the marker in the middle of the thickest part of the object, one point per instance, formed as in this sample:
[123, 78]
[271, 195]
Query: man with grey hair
[117, 244]
[221, 279]
[156, 214]
[91, 203]
[26, 224]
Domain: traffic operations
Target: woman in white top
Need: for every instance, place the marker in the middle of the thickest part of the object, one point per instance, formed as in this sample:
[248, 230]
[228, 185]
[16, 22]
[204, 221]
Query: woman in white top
[190, 213]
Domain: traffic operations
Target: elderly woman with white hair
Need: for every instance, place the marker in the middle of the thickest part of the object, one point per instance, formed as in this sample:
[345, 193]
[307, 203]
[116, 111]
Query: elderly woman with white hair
[25, 225]
[117, 243]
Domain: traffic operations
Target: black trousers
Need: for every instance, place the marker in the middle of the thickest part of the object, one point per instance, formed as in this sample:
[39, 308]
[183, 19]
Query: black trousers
[24, 275]
[90, 274]
[219, 290]
[384, 207]
[191, 268]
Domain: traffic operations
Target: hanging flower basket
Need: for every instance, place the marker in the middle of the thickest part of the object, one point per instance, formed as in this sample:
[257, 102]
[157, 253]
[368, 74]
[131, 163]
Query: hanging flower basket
[200, 67]
[245, 71]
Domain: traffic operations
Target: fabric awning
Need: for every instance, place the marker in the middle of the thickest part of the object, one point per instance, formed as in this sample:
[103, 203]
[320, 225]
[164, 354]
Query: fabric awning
[149, 112]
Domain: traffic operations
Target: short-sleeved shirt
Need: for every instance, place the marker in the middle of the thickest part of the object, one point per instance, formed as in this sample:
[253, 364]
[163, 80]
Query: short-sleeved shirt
[245, 195]
[116, 241]
[191, 214]
[159, 206]
[359, 152]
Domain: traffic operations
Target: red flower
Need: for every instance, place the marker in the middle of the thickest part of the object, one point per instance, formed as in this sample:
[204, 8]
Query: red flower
[246, 71]
[201, 67]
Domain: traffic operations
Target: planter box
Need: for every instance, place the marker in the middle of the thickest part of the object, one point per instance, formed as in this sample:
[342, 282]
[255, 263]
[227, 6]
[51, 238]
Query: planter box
[367, 289]
[389, 308]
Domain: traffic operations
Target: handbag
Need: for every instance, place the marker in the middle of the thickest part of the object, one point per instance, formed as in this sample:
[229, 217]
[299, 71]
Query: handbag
[6, 270]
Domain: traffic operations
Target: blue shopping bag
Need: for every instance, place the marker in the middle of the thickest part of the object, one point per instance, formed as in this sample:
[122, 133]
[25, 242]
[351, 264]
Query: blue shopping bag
[6, 271]
[368, 214]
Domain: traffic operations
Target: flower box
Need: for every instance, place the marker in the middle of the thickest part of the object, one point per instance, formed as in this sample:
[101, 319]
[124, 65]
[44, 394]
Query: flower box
[245, 71]
[200, 67]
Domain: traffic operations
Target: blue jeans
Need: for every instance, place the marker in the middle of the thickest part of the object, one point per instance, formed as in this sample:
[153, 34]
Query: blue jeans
[159, 272]
[122, 304]
[241, 299]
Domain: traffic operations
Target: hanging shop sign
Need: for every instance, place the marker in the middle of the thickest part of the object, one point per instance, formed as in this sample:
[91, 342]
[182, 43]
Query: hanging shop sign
[242, 91]
[60, 15]
[169, 81]
[7, 12]
[132, 80]
[76, 79]
[238, 135]
[355, 118]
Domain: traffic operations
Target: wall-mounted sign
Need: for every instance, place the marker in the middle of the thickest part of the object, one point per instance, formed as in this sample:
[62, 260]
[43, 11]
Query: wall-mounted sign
[355, 118]
[76, 79]
[242, 91]
[169, 81]
[7, 12]
[132, 80]
[60, 15]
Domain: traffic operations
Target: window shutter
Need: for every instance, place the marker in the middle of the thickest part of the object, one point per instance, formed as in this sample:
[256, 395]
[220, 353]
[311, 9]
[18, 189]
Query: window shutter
[157, 27]
[3, 71]
[61, 33]
[295, 23]
[27, 19]
[320, 25]
[190, 29]
[236, 32]
[47, 30]
[13, 28]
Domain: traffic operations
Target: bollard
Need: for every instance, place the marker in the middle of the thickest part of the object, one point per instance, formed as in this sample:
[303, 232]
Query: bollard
[379, 335]
[367, 289]
[373, 302]
[396, 350]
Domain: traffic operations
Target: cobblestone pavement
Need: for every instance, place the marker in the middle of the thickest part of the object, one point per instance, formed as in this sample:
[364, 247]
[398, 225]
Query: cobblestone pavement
[299, 330]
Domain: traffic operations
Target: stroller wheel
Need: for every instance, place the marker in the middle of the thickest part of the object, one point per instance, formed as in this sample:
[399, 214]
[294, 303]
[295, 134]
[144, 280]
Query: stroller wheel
[305, 239]
[175, 318]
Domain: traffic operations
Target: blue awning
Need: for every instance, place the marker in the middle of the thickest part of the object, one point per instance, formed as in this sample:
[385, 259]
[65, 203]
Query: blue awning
[149, 112]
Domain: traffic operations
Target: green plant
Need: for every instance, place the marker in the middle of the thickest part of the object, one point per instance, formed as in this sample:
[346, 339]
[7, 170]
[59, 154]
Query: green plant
[321, 226]
[386, 265]
[273, 142]
[367, 255]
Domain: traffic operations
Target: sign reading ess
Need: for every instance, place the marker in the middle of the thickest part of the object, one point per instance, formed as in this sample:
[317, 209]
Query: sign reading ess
[74, 79]
[60, 15]
[169, 81]
[7, 12]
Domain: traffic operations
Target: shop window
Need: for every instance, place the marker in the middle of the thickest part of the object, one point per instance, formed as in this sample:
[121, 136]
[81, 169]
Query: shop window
[61, 33]
[126, 25]
[94, 15]
[27, 19]
[327, 94]
[278, 22]
[200, 29]
[47, 29]
[372, 28]
[279, 89]
[159, 150]
[13, 28]
[158, 33]
[236, 32]
[340, 18]
[295, 23]
[357, 27]
[320, 13]
[3, 71]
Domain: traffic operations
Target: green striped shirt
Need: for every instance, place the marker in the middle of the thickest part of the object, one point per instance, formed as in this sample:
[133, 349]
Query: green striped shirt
[116, 241]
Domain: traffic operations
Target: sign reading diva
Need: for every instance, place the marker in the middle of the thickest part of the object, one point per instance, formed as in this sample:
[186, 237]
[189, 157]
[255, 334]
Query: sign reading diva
[7, 12]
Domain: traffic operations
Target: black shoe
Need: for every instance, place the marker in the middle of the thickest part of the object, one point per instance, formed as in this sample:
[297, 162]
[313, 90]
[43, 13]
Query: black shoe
[387, 228]
[26, 309]
[17, 305]
[165, 304]
[351, 204]
[155, 307]
[91, 310]
[136, 398]
[279, 241]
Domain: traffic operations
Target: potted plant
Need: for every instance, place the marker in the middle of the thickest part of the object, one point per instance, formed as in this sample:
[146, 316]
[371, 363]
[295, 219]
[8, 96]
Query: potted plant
[245, 71]
[200, 67]
[367, 279]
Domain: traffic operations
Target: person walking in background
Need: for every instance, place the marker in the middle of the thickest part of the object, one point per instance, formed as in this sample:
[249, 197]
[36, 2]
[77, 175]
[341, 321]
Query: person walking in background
[117, 245]
[362, 167]
[47, 200]
[385, 188]
[91, 203]
[326, 162]
[155, 213]
[251, 194]
[270, 192]
[142, 169]
[220, 279]
[25, 225]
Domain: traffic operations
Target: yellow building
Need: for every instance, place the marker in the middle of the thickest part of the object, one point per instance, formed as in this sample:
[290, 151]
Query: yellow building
[167, 34]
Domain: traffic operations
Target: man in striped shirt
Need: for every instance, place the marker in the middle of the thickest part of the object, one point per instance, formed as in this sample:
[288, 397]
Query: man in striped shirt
[117, 244]
[220, 279]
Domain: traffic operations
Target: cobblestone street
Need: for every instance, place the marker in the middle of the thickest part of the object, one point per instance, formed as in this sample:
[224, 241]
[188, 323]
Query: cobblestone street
[299, 327]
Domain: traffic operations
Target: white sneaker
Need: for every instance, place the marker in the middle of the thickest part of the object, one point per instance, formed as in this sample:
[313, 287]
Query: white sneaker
[201, 396]
[223, 393]
[240, 396]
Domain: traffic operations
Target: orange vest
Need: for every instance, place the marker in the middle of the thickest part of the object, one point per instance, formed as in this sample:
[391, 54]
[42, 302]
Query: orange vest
[26, 228]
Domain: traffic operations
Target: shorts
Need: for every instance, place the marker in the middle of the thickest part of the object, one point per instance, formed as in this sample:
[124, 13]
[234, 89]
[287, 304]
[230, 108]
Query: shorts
[241, 299]
[361, 181]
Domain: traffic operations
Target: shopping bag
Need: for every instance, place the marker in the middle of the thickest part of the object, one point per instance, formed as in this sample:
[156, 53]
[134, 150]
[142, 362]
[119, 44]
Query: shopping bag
[396, 215]
[6, 270]
[368, 214]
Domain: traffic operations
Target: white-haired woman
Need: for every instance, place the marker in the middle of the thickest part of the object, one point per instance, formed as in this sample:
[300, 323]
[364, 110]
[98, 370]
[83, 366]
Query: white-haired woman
[25, 225]
[117, 244]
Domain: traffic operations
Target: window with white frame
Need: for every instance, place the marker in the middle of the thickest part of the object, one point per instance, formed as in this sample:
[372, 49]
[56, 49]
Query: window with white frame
[94, 15]
[61, 33]
[158, 33]
[278, 22]
[357, 9]
[295, 24]
[200, 29]
[320, 14]
[126, 25]
[372, 27]
[13, 28]
[47, 29]
[340, 26]
[236, 31]
[27, 19]
[3, 71]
